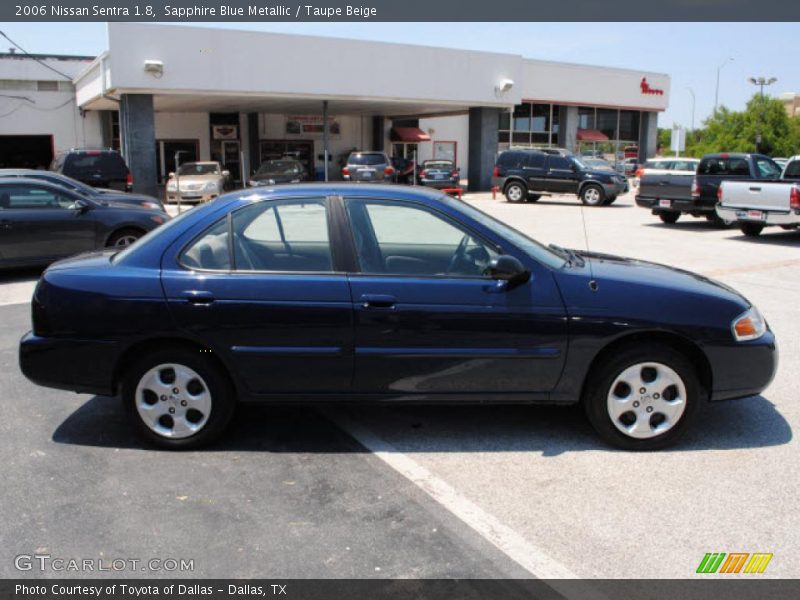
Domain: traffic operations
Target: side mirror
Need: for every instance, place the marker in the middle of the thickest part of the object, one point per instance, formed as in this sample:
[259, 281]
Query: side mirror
[226, 173]
[508, 268]
[81, 206]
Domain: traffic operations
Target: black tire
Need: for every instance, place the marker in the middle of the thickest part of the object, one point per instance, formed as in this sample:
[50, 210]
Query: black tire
[534, 197]
[222, 396]
[716, 220]
[669, 217]
[124, 237]
[516, 192]
[751, 229]
[597, 390]
[593, 195]
[610, 200]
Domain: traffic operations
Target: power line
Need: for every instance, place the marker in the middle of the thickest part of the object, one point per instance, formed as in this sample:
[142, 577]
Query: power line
[29, 55]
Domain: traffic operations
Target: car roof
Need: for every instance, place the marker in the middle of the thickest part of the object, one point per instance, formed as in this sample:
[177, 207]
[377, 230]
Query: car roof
[353, 190]
[6, 181]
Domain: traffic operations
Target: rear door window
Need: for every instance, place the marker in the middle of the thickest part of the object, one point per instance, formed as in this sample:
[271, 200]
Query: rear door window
[511, 160]
[85, 164]
[767, 169]
[535, 160]
[792, 170]
[559, 163]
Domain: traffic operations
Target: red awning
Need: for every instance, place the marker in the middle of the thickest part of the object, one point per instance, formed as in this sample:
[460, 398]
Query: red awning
[408, 134]
[591, 135]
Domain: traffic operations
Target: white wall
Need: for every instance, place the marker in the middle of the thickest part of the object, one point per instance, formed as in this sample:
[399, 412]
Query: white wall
[185, 126]
[447, 129]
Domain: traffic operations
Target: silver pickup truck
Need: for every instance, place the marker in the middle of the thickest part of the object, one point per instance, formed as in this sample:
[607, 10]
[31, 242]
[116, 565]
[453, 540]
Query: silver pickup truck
[756, 204]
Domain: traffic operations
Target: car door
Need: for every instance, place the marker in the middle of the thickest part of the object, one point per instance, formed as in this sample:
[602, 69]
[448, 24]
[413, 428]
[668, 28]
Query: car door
[40, 223]
[261, 287]
[561, 176]
[534, 169]
[428, 322]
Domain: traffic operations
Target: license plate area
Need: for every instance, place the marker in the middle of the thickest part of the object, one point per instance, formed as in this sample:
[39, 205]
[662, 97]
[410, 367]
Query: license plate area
[665, 203]
[751, 215]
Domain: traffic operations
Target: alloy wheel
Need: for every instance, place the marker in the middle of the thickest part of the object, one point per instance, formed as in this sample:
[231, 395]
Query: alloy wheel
[173, 401]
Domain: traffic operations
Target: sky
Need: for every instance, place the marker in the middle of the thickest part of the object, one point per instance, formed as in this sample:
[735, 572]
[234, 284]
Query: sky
[689, 52]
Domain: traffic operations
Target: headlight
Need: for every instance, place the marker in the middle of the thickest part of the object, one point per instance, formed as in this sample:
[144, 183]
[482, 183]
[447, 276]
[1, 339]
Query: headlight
[172, 186]
[749, 325]
[211, 186]
[151, 205]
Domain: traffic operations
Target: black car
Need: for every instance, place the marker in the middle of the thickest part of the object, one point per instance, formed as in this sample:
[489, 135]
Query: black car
[282, 170]
[41, 222]
[100, 168]
[439, 174]
[97, 194]
[343, 292]
[526, 175]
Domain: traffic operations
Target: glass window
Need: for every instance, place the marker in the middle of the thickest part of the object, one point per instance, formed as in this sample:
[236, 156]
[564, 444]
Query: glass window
[29, 197]
[511, 160]
[792, 170]
[560, 163]
[629, 124]
[683, 165]
[399, 239]
[607, 122]
[536, 160]
[285, 235]
[585, 117]
[505, 120]
[767, 169]
[724, 166]
[522, 117]
[210, 251]
[540, 117]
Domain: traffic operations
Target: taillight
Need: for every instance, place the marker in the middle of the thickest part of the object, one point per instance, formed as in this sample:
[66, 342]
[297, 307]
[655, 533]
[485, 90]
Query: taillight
[345, 171]
[639, 172]
[695, 188]
[388, 171]
[794, 197]
[496, 172]
[454, 173]
[129, 179]
[423, 174]
[719, 194]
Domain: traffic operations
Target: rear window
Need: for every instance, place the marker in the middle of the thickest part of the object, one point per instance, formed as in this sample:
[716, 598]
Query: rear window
[684, 165]
[366, 159]
[792, 170]
[656, 164]
[437, 164]
[280, 167]
[107, 164]
[728, 166]
[767, 169]
[511, 160]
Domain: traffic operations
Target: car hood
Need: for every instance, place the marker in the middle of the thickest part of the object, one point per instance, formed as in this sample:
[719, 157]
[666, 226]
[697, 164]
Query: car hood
[265, 178]
[114, 196]
[650, 291]
[197, 178]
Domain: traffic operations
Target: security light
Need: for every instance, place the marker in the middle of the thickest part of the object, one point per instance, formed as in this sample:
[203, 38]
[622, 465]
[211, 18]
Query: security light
[505, 85]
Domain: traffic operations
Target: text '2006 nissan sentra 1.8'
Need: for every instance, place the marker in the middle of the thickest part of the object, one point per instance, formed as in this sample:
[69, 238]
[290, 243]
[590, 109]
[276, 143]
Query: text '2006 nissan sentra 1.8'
[342, 292]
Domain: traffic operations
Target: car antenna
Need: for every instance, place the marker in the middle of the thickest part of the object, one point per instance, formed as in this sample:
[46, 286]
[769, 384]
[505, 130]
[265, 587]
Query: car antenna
[592, 282]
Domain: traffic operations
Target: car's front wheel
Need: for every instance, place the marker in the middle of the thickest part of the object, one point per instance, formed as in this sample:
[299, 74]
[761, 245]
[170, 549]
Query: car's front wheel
[124, 237]
[516, 192]
[178, 398]
[644, 398]
[593, 195]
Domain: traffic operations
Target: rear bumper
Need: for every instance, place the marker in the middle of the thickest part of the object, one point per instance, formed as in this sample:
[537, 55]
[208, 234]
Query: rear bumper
[770, 217]
[743, 369]
[694, 205]
[439, 184]
[84, 366]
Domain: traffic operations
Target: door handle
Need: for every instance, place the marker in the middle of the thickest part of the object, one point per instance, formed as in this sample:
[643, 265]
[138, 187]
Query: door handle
[198, 297]
[755, 189]
[379, 301]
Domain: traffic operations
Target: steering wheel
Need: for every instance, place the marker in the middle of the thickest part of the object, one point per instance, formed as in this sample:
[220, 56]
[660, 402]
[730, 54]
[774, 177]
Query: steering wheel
[459, 255]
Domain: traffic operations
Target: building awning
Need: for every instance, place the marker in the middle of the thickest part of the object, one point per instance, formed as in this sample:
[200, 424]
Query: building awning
[591, 135]
[409, 135]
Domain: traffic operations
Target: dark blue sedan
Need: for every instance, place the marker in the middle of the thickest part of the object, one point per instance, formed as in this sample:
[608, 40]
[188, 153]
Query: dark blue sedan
[329, 292]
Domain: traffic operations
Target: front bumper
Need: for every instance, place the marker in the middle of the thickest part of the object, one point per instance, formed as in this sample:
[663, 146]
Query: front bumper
[84, 366]
[615, 188]
[743, 369]
[767, 217]
[191, 197]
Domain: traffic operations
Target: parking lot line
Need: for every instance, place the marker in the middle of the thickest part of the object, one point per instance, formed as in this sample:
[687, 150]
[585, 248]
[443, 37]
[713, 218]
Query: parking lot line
[530, 557]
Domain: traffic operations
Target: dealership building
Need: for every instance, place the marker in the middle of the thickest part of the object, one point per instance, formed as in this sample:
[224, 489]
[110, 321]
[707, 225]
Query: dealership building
[161, 91]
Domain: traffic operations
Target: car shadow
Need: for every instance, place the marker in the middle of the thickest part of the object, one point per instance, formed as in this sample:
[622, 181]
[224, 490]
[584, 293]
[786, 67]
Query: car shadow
[571, 202]
[550, 430]
[690, 224]
[21, 275]
[772, 237]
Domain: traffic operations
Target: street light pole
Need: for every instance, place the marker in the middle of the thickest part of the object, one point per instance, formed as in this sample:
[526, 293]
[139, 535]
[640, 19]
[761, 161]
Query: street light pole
[761, 82]
[691, 91]
[716, 92]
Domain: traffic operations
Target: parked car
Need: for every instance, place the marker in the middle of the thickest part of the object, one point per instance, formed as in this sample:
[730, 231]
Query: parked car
[755, 205]
[628, 166]
[439, 173]
[100, 195]
[405, 169]
[42, 222]
[283, 170]
[369, 167]
[664, 182]
[526, 175]
[630, 152]
[100, 168]
[198, 182]
[669, 204]
[385, 293]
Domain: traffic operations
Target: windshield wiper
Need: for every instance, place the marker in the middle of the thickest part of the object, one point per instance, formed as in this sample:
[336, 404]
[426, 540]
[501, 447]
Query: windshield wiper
[572, 257]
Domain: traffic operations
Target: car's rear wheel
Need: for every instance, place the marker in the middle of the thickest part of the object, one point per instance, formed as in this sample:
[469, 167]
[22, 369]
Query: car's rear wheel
[716, 220]
[124, 237]
[751, 229]
[534, 197]
[643, 398]
[669, 217]
[593, 195]
[516, 192]
[178, 398]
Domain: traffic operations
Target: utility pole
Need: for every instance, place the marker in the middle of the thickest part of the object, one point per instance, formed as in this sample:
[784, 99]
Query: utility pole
[716, 93]
[761, 83]
[694, 100]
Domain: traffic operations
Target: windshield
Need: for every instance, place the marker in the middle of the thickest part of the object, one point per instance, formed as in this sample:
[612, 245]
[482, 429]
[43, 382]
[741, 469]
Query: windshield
[198, 169]
[534, 249]
[280, 167]
[581, 164]
[366, 159]
[437, 164]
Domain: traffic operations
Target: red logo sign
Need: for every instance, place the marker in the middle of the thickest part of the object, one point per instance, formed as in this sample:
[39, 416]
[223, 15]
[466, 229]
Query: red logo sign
[646, 89]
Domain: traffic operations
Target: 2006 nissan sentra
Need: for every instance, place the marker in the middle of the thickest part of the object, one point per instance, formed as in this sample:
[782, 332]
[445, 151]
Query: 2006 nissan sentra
[325, 292]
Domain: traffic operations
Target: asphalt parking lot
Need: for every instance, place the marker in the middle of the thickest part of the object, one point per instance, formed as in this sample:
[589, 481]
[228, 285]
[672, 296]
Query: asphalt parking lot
[477, 492]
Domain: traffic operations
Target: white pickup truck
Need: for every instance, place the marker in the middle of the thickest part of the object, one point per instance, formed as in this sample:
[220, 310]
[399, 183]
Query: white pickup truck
[756, 204]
